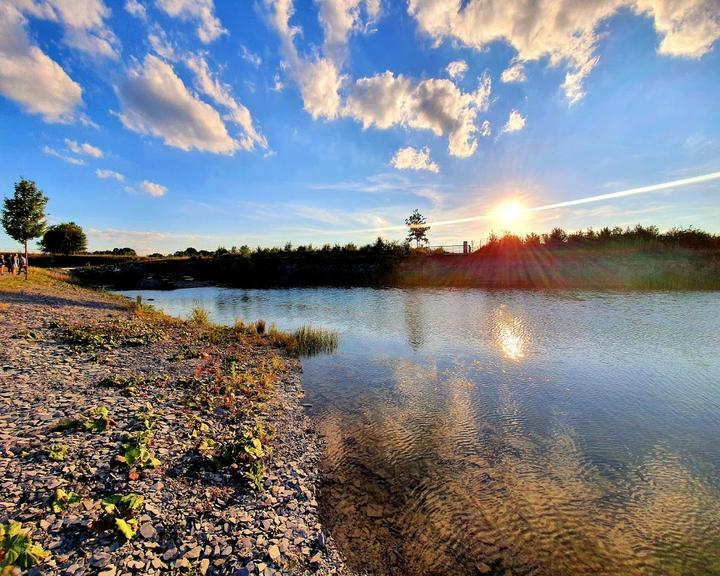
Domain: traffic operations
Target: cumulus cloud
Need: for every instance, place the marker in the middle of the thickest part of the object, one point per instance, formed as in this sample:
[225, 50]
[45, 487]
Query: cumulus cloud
[109, 175]
[152, 188]
[386, 100]
[318, 78]
[155, 101]
[207, 83]
[31, 78]
[565, 32]
[410, 158]
[136, 9]
[342, 18]
[83, 22]
[457, 69]
[513, 73]
[84, 148]
[64, 157]
[515, 123]
[203, 11]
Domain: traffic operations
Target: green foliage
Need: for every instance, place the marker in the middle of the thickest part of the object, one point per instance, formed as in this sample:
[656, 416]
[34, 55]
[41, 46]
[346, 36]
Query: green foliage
[121, 509]
[136, 446]
[256, 475]
[98, 421]
[122, 504]
[57, 452]
[23, 215]
[127, 528]
[67, 238]
[312, 341]
[63, 500]
[417, 228]
[18, 549]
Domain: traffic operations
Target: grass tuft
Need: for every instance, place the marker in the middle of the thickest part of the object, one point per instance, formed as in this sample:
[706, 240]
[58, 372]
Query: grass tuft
[199, 316]
[311, 341]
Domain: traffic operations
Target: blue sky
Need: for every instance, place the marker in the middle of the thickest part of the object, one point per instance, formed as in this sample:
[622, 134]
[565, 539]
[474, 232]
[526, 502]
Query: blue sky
[160, 124]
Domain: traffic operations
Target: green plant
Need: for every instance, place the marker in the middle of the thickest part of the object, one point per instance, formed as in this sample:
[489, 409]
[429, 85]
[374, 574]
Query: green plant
[121, 508]
[63, 500]
[98, 421]
[57, 452]
[18, 549]
[256, 475]
[311, 341]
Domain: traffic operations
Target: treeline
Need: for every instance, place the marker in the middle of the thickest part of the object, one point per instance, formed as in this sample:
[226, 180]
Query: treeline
[557, 238]
[639, 236]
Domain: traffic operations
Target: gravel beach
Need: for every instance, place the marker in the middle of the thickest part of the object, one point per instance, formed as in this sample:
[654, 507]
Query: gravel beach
[132, 443]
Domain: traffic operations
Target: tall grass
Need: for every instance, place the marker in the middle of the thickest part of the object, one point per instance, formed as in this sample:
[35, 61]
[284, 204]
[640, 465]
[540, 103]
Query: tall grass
[311, 341]
[199, 316]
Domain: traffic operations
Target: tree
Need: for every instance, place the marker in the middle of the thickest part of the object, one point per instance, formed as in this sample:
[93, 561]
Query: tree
[417, 229]
[23, 215]
[66, 238]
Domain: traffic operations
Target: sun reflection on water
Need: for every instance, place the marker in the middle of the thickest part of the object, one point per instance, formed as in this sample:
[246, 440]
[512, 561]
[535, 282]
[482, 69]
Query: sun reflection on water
[510, 336]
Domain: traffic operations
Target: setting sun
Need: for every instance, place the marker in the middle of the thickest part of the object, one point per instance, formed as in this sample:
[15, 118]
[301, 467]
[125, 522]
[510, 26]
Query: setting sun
[510, 213]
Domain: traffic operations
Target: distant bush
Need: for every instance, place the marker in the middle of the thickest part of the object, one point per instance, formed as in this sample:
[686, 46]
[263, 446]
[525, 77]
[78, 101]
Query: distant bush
[67, 238]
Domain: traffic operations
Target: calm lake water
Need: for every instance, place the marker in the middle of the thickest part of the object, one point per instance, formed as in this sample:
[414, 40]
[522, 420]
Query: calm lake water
[509, 432]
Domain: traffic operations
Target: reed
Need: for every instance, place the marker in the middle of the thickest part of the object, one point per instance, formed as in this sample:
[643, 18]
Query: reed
[311, 341]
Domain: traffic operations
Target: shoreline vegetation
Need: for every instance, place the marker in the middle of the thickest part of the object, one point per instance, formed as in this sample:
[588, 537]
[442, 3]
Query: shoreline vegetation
[136, 443]
[641, 258]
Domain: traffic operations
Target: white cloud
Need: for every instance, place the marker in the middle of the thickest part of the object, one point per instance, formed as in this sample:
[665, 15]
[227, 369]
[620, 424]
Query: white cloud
[29, 77]
[85, 148]
[203, 11]
[318, 78]
[152, 188]
[64, 157]
[410, 158]
[456, 69]
[211, 86]
[386, 100]
[109, 175]
[160, 44]
[155, 101]
[342, 18]
[250, 57]
[83, 22]
[485, 129]
[565, 32]
[515, 123]
[513, 73]
[136, 9]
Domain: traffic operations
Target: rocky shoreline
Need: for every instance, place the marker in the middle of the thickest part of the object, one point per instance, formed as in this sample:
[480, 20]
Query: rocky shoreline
[132, 443]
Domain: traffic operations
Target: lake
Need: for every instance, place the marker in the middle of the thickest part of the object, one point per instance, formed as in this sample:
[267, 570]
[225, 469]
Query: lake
[508, 432]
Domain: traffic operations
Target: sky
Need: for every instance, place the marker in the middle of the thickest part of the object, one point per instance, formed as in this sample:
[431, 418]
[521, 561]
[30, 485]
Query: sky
[162, 124]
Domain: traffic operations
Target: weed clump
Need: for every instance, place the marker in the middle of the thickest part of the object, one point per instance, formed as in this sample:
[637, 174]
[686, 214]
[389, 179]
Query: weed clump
[199, 316]
[17, 549]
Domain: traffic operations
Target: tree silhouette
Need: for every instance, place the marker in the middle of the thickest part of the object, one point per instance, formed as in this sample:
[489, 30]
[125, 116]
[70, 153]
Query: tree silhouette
[417, 229]
[66, 238]
[23, 215]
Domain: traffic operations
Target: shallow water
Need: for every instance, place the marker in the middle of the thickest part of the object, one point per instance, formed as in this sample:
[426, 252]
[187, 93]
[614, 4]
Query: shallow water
[509, 432]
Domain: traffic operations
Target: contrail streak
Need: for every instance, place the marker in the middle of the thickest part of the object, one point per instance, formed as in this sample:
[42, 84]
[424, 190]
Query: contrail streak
[598, 198]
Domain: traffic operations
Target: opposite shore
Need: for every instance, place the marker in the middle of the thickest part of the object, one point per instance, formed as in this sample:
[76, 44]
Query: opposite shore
[134, 443]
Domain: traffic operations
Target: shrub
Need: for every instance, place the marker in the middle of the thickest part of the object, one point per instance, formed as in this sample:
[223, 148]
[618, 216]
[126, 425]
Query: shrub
[17, 548]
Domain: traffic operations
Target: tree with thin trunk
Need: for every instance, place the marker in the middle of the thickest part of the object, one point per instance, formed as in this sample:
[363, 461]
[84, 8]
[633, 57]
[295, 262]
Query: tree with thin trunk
[23, 215]
[417, 228]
